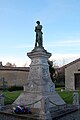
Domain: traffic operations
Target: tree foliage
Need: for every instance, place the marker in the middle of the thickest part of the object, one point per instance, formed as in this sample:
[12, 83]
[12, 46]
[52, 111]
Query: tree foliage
[51, 69]
[57, 76]
[60, 77]
[8, 64]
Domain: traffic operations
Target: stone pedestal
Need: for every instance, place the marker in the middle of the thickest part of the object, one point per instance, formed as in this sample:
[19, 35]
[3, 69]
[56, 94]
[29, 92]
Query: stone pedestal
[39, 91]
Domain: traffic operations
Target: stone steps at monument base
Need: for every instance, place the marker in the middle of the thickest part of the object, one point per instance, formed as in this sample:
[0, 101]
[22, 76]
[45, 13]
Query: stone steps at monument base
[55, 114]
[9, 115]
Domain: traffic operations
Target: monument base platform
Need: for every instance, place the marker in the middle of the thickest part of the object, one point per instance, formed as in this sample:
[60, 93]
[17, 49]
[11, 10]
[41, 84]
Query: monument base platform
[34, 99]
[57, 114]
[43, 105]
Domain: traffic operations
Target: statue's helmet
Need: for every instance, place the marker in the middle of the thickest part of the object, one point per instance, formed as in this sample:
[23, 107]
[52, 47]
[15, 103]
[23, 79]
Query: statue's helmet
[38, 22]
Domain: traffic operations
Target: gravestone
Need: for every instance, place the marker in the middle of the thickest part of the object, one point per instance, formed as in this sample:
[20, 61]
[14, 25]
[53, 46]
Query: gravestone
[76, 99]
[1, 101]
[39, 91]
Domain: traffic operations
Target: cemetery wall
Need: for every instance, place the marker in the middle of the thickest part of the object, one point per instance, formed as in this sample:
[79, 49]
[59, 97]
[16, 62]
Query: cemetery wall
[13, 75]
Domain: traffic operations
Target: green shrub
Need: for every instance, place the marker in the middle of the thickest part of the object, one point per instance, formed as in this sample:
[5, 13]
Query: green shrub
[59, 86]
[15, 88]
[3, 88]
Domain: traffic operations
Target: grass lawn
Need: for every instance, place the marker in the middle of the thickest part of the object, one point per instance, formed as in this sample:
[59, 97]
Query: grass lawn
[10, 97]
[66, 95]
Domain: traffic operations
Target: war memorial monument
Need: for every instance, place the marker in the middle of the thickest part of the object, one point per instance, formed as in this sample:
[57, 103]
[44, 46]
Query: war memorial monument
[39, 96]
[39, 91]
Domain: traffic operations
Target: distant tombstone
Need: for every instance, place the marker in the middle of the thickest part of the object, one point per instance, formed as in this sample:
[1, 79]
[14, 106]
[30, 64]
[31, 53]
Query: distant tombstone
[1, 101]
[62, 90]
[76, 99]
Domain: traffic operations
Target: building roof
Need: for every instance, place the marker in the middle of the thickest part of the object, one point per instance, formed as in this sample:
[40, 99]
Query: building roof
[71, 63]
[2, 68]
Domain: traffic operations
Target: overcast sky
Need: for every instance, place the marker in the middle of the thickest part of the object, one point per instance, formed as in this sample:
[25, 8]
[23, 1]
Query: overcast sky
[61, 29]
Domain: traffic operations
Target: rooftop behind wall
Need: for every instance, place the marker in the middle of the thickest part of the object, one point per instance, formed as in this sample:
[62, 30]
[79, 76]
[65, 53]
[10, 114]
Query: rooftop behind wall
[14, 68]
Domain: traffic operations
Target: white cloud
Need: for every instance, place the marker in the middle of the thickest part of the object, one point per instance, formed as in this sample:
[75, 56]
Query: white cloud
[68, 43]
[62, 59]
[65, 56]
[58, 43]
[18, 61]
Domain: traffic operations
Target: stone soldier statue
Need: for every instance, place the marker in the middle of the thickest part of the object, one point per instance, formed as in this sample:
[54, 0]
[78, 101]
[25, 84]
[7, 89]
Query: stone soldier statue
[38, 28]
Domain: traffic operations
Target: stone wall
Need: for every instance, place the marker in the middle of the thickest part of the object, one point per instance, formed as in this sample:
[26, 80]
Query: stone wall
[70, 70]
[14, 76]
